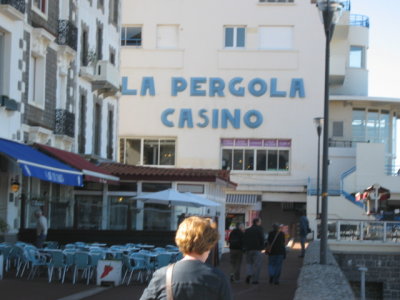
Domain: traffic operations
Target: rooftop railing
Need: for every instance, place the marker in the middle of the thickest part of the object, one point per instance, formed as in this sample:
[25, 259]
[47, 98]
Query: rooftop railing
[359, 20]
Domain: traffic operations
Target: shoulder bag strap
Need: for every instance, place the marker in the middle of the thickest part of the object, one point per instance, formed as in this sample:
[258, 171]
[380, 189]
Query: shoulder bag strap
[168, 282]
[273, 242]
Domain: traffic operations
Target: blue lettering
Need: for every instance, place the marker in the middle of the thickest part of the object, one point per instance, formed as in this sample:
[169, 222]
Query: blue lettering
[164, 117]
[274, 89]
[247, 119]
[125, 90]
[215, 118]
[147, 85]
[178, 84]
[227, 116]
[262, 87]
[195, 86]
[232, 89]
[202, 114]
[297, 86]
[217, 86]
[186, 116]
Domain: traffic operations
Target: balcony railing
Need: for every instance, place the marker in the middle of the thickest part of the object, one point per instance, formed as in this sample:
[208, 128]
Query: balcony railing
[67, 34]
[65, 123]
[359, 20]
[346, 5]
[17, 4]
[360, 230]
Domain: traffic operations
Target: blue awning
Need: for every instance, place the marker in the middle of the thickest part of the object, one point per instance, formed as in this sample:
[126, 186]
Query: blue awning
[37, 164]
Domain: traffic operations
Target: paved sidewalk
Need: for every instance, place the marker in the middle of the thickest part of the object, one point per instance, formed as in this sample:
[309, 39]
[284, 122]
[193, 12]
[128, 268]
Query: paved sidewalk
[12, 288]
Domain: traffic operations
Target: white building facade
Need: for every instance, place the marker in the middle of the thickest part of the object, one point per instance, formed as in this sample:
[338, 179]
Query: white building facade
[236, 85]
[236, 92]
[59, 87]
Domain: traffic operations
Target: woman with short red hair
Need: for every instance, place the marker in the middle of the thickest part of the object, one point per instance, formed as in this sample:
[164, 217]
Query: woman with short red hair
[191, 277]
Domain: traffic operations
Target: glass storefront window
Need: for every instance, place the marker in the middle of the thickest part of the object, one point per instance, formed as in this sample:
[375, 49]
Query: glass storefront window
[118, 213]
[261, 160]
[272, 160]
[156, 217]
[89, 211]
[238, 159]
[227, 159]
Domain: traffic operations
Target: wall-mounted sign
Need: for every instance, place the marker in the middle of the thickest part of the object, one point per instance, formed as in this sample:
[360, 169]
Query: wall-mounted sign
[216, 87]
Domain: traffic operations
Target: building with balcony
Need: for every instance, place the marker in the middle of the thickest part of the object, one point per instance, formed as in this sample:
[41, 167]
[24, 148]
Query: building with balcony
[53, 119]
[240, 92]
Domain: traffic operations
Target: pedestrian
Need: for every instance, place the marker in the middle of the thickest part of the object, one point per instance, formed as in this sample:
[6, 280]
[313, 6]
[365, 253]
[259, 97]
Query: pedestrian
[277, 253]
[41, 228]
[191, 278]
[304, 230]
[236, 250]
[253, 242]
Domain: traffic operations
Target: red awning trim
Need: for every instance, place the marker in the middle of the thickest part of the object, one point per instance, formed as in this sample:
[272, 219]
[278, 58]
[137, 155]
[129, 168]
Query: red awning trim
[90, 171]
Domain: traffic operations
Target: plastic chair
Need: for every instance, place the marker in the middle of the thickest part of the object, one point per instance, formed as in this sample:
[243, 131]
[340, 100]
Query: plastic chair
[94, 257]
[133, 265]
[57, 261]
[163, 259]
[81, 262]
[35, 259]
[5, 250]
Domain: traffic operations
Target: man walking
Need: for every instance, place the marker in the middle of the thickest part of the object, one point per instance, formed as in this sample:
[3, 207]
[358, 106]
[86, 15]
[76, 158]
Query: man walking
[236, 250]
[41, 228]
[304, 230]
[253, 244]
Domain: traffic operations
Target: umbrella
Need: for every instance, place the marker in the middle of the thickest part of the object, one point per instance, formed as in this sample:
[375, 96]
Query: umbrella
[376, 193]
[203, 201]
[169, 196]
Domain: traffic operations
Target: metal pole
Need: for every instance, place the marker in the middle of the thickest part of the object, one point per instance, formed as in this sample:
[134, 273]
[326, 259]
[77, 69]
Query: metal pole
[318, 168]
[363, 270]
[327, 16]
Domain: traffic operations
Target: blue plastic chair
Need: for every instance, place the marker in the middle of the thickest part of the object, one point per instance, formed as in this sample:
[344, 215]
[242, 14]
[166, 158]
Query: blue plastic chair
[94, 257]
[133, 264]
[163, 259]
[35, 259]
[81, 262]
[57, 261]
[5, 250]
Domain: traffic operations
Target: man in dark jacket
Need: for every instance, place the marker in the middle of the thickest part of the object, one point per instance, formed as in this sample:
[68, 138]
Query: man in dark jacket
[236, 250]
[253, 244]
[276, 242]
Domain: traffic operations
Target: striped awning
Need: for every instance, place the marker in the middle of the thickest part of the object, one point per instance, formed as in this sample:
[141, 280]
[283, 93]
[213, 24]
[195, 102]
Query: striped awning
[243, 199]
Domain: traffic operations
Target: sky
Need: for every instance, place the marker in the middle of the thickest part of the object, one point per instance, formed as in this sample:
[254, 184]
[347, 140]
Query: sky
[383, 56]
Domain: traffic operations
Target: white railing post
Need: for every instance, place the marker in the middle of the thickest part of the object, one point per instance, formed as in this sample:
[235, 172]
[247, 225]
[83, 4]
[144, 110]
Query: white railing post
[338, 223]
[361, 230]
[384, 231]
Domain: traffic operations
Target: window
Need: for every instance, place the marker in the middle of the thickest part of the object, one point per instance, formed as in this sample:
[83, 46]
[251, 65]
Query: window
[131, 36]
[110, 130]
[119, 207]
[40, 5]
[192, 188]
[37, 81]
[371, 125]
[112, 56]
[85, 48]
[113, 17]
[167, 36]
[148, 151]
[89, 211]
[256, 155]
[276, 37]
[356, 58]
[337, 129]
[97, 129]
[82, 125]
[235, 37]
[99, 45]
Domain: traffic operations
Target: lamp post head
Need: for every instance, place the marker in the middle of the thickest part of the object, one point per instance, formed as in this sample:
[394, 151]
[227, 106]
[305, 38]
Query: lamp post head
[319, 122]
[330, 10]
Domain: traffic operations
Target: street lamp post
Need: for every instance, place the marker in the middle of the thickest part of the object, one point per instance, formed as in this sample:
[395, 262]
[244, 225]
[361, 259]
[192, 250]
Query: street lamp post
[330, 11]
[318, 124]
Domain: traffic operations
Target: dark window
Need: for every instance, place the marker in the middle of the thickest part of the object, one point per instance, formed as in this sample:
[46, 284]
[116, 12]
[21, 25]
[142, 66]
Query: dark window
[97, 129]
[131, 36]
[99, 52]
[123, 187]
[84, 50]
[82, 125]
[150, 187]
[110, 129]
